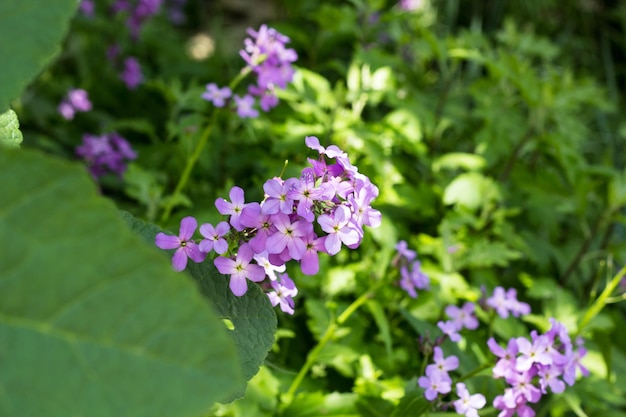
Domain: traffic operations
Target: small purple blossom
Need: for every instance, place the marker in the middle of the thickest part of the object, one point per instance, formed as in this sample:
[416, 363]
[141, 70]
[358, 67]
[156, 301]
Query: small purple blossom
[233, 207]
[468, 404]
[284, 291]
[184, 245]
[131, 74]
[214, 238]
[434, 383]
[338, 229]
[105, 154]
[505, 303]
[245, 106]
[240, 269]
[216, 95]
[76, 100]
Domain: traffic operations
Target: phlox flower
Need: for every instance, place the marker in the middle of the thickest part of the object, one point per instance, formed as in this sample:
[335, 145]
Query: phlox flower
[252, 217]
[245, 106]
[507, 356]
[214, 237]
[262, 259]
[233, 207]
[463, 317]
[403, 250]
[305, 193]
[450, 329]
[336, 225]
[216, 95]
[468, 404]
[76, 100]
[505, 302]
[434, 383]
[185, 247]
[443, 364]
[284, 291]
[131, 74]
[277, 196]
[309, 263]
[288, 235]
[240, 269]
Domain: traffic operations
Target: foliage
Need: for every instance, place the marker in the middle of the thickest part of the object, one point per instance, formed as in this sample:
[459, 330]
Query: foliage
[496, 147]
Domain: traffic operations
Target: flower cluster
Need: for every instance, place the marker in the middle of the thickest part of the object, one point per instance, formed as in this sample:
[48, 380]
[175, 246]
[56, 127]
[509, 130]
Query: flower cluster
[139, 12]
[104, 154]
[319, 212]
[411, 275]
[531, 366]
[267, 56]
[460, 318]
[505, 302]
[76, 100]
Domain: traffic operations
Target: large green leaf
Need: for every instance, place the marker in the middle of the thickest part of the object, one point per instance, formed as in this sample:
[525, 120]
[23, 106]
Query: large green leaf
[10, 134]
[93, 322]
[31, 31]
[251, 315]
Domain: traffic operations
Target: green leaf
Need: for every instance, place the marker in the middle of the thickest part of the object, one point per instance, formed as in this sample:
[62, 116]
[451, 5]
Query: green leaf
[251, 315]
[413, 404]
[471, 190]
[10, 134]
[317, 404]
[31, 31]
[93, 322]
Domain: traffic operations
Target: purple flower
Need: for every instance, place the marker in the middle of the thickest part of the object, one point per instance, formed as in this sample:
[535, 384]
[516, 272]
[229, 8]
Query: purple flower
[506, 302]
[245, 106]
[277, 196]
[66, 110]
[443, 364]
[404, 251]
[232, 208]
[240, 269]
[288, 235]
[336, 225]
[105, 154]
[434, 383]
[185, 247]
[450, 329]
[79, 99]
[310, 264]
[216, 95]
[214, 237]
[507, 356]
[87, 7]
[131, 74]
[76, 100]
[284, 291]
[262, 259]
[468, 404]
[463, 317]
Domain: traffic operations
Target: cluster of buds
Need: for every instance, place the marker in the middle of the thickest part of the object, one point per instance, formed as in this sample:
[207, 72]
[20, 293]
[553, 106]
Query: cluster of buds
[319, 212]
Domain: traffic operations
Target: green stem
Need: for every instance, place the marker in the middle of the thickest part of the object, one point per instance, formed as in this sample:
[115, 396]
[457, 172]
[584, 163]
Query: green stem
[328, 335]
[476, 371]
[193, 158]
[602, 300]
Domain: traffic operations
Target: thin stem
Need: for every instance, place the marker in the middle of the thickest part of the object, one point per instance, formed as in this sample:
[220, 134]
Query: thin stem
[602, 300]
[328, 335]
[193, 158]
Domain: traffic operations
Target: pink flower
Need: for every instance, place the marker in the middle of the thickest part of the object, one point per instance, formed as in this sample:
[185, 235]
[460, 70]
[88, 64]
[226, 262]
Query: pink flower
[240, 269]
[185, 247]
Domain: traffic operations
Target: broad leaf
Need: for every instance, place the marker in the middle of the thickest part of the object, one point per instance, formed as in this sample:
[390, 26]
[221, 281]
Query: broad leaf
[10, 134]
[31, 31]
[251, 315]
[92, 320]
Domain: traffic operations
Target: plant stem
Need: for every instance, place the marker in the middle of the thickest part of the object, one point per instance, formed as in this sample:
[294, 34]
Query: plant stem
[601, 301]
[328, 335]
[193, 158]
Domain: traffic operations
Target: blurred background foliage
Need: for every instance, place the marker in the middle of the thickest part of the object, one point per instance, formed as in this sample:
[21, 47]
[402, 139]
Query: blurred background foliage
[493, 129]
